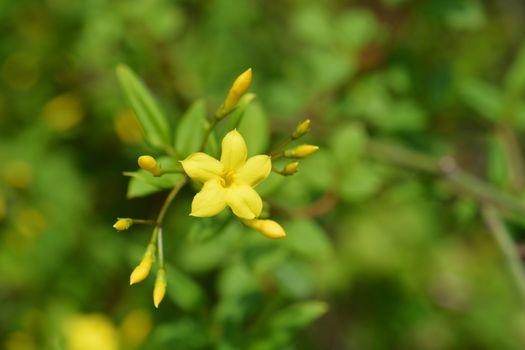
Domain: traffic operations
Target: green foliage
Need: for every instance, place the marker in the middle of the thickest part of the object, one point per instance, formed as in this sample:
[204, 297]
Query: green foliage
[382, 252]
[143, 183]
[154, 123]
[191, 128]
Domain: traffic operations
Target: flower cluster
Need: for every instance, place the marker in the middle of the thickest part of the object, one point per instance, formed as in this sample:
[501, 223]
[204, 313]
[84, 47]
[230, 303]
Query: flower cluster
[227, 182]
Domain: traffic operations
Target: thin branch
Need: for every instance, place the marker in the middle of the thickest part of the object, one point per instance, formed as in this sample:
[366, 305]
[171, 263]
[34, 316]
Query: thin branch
[502, 237]
[447, 168]
[514, 157]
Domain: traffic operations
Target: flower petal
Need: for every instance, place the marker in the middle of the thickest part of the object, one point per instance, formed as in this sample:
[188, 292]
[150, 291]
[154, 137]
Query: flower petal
[234, 151]
[202, 167]
[256, 169]
[244, 201]
[210, 201]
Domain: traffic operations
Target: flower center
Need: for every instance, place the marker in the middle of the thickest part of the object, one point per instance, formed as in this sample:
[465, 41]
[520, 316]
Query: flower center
[228, 179]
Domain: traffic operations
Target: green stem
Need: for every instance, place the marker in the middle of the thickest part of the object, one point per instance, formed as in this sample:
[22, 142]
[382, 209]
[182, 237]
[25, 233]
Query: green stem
[171, 171]
[277, 156]
[156, 237]
[160, 248]
[144, 221]
[502, 237]
[173, 193]
[207, 133]
[277, 149]
[170, 150]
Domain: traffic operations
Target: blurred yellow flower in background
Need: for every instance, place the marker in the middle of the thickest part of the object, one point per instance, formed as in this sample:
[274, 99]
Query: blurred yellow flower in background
[89, 332]
[230, 181]
[63, 112]
[135, 327]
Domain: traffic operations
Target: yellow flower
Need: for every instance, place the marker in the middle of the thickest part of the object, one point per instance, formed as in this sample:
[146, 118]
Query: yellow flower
[228, 182]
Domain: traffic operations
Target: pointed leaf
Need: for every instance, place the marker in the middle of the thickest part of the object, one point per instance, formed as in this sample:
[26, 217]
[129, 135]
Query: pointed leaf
[152, 120]
[191, 128]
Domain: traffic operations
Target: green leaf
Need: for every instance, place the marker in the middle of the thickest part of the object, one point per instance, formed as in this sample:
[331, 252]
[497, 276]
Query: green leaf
[356, 28]
[153, 121]
[497, 167]
[185, 333]
[318, 170]
[191, 129]
[183, 290]
[212, 147]
[295, 278]
[255, 129]
[299, 315]
[237, 115]
[348, 142]
[360, 181]
[279, 332]
[143, 183]
[307, 238]
[484, 98]
[515, 77]
[236, 280]
[465, 15]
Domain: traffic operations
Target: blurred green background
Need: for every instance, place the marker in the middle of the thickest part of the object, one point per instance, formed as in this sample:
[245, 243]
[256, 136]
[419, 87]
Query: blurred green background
[379, 254]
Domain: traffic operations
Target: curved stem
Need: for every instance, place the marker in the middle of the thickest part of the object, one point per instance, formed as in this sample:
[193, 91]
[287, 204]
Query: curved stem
[156, 236]
[169, 199]
[285, 143]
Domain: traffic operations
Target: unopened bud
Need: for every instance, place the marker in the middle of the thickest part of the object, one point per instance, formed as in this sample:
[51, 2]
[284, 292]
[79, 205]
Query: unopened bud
[123, 224]
[150, 164]
[239, 88]
[300, 151]
[142, 270]
[301, 129]
[290, 168]
[159, 291]
[267, 228]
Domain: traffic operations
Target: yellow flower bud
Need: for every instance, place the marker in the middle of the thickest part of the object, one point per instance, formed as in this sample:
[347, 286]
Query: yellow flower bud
[301, 129]
[150, 164]
[290, 168]
[159, 291]
[239, 88]
[300, 151]
[142, 270]
[123, 224]
[267, 228]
